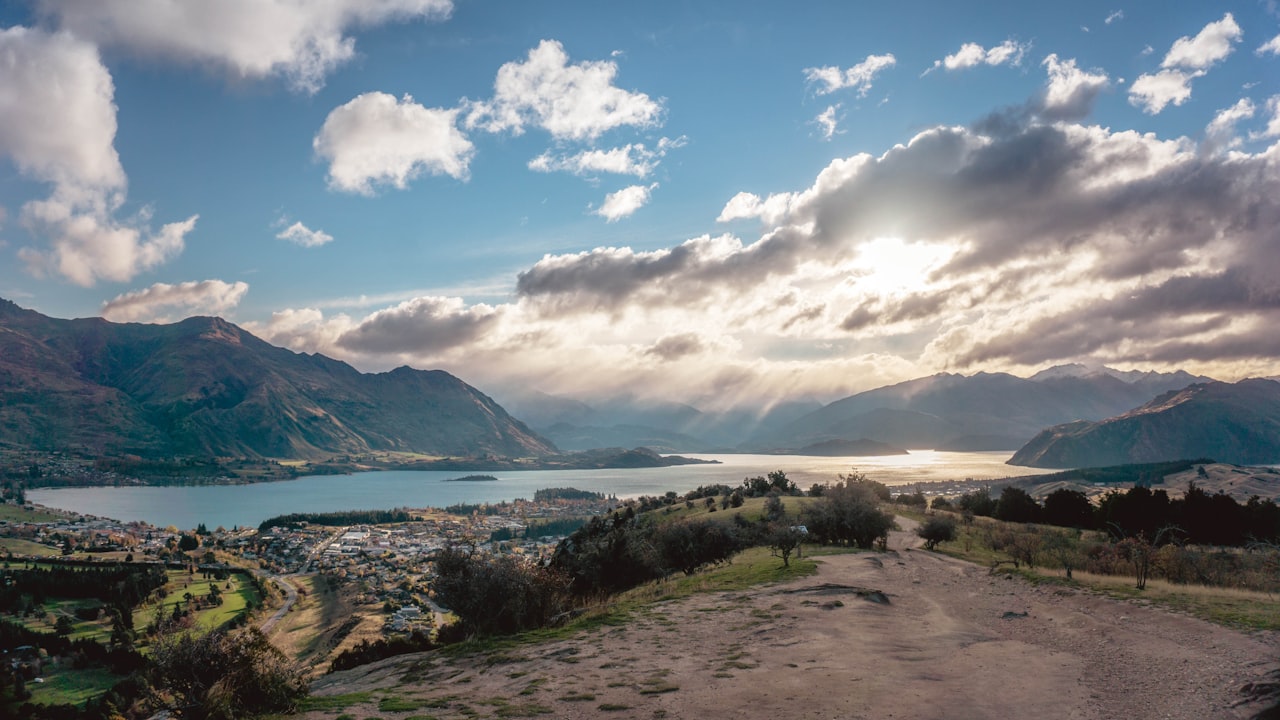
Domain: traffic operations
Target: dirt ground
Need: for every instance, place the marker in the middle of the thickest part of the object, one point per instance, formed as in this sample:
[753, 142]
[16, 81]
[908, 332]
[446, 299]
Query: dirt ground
[951, 642]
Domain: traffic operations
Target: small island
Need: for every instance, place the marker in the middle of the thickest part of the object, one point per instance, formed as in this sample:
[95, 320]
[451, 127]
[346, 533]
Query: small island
[472, 478]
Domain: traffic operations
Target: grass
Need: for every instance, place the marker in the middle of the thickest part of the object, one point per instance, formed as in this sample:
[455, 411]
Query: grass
[234, 600]
[18, 546]
[22, 514]
[71, 687]
[1225, 606]
[334, 702]
[750, 568]
[752, 509]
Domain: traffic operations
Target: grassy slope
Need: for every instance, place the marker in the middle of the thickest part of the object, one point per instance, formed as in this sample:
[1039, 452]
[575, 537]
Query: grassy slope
[16, 514]
[1226, 606]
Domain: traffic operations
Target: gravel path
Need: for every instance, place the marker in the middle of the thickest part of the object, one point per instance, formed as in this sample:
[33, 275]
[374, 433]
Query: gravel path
[951, 642]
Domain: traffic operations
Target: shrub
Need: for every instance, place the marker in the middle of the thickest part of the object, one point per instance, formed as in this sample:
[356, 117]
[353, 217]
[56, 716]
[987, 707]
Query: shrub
[499, 594]
[225, 674]
[937, 529]
[848, 514]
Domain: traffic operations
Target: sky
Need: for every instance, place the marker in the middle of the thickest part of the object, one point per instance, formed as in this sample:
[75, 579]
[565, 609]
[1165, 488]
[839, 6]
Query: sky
[719, 203]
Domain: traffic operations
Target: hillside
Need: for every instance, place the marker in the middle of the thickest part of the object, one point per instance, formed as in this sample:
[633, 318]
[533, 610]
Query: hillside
[1232, 423]
[985, 411]
[205, 387]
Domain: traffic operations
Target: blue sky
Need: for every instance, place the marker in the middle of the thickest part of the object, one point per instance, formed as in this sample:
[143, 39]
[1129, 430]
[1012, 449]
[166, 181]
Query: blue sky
[717, 202]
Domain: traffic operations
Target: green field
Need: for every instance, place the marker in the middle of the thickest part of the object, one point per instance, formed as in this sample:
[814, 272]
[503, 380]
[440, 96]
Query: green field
[18, 546]
[17, 514]
[71, 687]
[234, 599]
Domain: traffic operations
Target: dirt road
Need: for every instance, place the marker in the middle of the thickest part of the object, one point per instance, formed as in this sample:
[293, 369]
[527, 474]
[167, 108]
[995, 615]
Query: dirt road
[952, 642]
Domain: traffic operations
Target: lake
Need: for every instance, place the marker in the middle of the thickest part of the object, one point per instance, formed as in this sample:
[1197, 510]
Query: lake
[186, 507]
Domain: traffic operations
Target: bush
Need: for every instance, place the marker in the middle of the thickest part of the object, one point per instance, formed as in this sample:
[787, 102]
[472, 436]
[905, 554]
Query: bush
[1015, 505]
[937, 529]
[849, 514]
[978, 502]
[500, 594]
[225, 674]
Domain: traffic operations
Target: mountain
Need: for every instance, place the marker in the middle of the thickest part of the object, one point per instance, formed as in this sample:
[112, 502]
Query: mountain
[625, 420]
[205, 387]
[985, 411]
[1235, 423]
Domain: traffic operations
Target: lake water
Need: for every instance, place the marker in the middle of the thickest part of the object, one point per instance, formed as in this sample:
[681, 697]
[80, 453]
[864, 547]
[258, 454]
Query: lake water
[248, 505]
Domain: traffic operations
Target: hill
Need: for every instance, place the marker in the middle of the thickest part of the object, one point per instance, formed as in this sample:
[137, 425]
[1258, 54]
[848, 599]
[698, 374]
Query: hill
[205, 387]
[1236, 423]
[985, 411]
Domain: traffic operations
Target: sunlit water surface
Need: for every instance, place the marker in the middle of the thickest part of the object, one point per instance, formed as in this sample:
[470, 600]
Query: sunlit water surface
[232, 505]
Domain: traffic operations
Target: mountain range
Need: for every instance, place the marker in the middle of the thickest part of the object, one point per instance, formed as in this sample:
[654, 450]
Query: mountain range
[203, 386]
[1236, 423]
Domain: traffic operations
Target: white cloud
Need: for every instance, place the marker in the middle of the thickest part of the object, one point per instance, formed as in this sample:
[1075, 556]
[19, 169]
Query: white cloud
[375, 139]
[300, 234]
[1221, 132]
[212, 297]
[1071, 91]
[57, 101]
[830, 79]
[301, 41]
[424, 324]
[1273, 124]
[1009, 52]
[572, 102]
[632, 159]
[1187, 59]
[1271, 46]
[1114, 17]
[1153, 93]
[1210, 45]
[827, 122]
[624, 202]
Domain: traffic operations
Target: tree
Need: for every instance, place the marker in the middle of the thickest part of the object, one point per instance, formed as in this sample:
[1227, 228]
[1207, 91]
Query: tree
[1065, 507]
[187, 543]
[498, 595]
[937, 529]
[783, 541]
[849, 513]
[1015, 505]
[773, 507]
[225, 674]
[977, 502]
[63, 626]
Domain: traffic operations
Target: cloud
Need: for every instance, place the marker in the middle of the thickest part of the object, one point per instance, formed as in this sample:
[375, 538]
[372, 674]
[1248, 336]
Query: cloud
[1211, 45]
[674, 347]
[301, 235]
[1271, 46]
[377, 140]
[302, 42]
[1187, 59]
[830, 78]
[1221, 132]
[1114, 17]
[1272, 130]
[827, 121]
[1028, 243]
[420, 325]
[970, 55]
[632, 159]
[572, 102]
[1071, 92]
[624, 202]
[57, 101]
[1153, 92]
[211, 297]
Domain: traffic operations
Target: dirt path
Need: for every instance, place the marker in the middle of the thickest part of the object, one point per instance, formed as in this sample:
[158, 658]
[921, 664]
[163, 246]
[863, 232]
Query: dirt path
[952, 642]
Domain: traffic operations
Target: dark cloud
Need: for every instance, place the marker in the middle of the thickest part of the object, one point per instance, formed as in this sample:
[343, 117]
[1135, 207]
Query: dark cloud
[421, 325]
[674, 347]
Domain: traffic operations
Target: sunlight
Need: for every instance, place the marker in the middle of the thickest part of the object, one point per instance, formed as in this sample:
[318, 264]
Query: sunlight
[890, 265]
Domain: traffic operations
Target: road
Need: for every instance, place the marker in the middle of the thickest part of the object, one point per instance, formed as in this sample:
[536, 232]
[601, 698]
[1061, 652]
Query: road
[291, 592]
